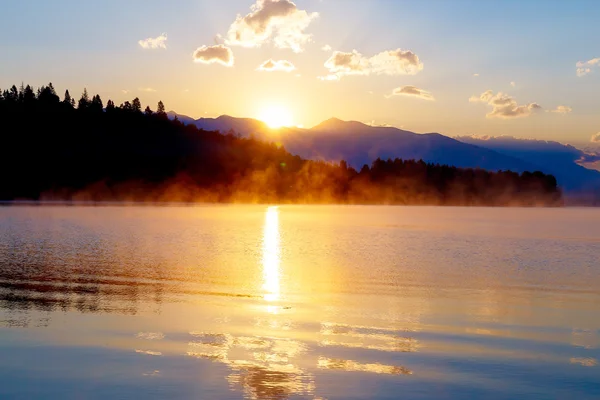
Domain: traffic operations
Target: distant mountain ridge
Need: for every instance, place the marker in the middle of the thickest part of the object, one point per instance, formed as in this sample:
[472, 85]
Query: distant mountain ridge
[224, 123]
[359, 144]
[561, 160]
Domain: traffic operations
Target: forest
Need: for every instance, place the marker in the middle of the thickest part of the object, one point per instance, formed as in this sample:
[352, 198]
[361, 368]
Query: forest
[55, 149]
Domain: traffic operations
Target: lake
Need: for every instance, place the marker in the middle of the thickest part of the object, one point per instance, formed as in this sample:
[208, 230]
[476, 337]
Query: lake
[315, 302]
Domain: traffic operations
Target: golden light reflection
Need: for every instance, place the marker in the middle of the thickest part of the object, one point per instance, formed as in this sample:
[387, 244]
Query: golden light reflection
[262, 367]
[371, 338]
[586, 362]
[149, 352]
[354, 366]
[271, 255]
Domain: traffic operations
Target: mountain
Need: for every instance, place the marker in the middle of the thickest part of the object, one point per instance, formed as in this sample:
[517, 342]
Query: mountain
[359, 144]
[561, 160]
[223, 124]
[183, 118]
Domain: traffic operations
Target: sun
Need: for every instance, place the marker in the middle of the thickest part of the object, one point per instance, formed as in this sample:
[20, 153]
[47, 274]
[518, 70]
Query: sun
[276, 116]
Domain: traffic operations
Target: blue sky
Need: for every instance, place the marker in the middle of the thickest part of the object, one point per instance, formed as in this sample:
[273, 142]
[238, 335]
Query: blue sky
[534, 44]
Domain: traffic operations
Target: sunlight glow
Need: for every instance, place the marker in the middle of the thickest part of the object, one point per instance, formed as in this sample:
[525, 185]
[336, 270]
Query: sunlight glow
[276, 116]
[271, 255]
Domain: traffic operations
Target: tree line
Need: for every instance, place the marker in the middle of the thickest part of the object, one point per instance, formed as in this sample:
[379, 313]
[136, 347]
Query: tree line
[63, 149]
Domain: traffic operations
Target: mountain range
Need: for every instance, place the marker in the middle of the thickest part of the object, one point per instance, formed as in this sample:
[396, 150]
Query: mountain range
[359, 144]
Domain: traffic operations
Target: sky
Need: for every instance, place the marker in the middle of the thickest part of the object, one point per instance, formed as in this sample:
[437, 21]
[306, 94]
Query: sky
[528, 68]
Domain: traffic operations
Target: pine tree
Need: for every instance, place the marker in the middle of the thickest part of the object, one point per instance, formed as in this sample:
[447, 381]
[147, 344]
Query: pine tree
[51, 89]
[21, 95]
[67, 100]
[84, 101]
[14, 94]
[28, 95]
[136, 105]
[110, 106]
[148, 111]
[96, 105]
[160, 109]
[47, 95]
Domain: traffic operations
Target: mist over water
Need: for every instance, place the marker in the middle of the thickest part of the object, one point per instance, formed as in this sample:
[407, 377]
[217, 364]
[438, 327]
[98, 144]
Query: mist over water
[317, 302]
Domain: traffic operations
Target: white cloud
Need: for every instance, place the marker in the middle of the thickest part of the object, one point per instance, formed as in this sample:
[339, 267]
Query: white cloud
[513, 84]
[125, 91]
[504, 106]
[159, 42]
[326, 48]
[272, 65]
[277, 21]
[377, 124]
[390, 62]
[595, 138]
[412, 91]
[147, 89]
[214, 54]
[561, 110]
[585, 67]
[583, 71]
[476, 75]
[332, 77]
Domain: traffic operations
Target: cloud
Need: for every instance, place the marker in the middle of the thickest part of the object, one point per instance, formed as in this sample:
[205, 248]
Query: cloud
[377, 124]
[583, 71]
[504, 106]
[147, 89]
[476, 75]
[272, 65]
[513, 84]
[333, 78]
[595, 138]
[214, 54]
[277, 21]
[390, 62]
[412, 92]
[326, 48]
[125, 91]
[585, 67]
[159, 42]
[561, 110]
[589, 157]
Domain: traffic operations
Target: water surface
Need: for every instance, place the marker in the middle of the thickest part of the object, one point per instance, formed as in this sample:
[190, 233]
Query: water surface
[317, 302]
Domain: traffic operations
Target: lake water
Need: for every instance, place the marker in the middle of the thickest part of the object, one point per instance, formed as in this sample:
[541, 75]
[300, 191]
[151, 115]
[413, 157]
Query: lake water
[316, 302]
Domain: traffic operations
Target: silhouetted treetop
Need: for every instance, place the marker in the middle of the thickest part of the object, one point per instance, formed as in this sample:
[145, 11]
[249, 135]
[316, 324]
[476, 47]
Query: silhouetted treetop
[136, 105]
[84, 101]
[160, 109]
[67, 100]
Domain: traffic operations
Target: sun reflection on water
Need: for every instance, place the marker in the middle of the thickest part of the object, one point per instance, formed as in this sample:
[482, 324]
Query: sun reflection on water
[271, 255]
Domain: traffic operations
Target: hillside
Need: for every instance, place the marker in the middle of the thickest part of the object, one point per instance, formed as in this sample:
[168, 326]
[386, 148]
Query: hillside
[359, 144]
[53, 150]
